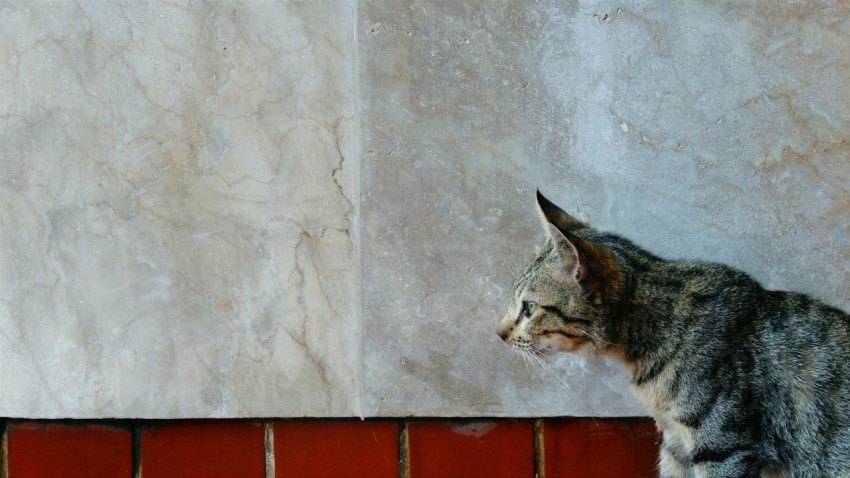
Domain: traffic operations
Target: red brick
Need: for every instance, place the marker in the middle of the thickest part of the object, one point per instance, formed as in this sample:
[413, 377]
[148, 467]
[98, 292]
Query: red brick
[59, 450]
[492, 449]
[203, 448]
[335, 449]
[586, 447]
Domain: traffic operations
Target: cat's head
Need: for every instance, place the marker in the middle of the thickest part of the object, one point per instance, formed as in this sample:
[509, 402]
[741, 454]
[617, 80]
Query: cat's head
[563, 300]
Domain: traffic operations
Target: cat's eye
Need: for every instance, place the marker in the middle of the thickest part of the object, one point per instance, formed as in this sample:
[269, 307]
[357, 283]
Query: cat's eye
[528, 308]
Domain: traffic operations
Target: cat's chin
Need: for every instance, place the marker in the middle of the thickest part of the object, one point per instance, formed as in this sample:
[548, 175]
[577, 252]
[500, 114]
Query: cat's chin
[553, 343]
[544, 351]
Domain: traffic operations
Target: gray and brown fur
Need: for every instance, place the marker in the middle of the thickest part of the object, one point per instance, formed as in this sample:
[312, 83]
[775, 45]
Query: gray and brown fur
[741, 381]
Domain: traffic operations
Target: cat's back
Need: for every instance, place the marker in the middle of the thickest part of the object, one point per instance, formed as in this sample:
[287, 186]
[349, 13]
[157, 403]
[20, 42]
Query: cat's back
[805, 344]
[804, 378]
[773, 366]
[797, 328]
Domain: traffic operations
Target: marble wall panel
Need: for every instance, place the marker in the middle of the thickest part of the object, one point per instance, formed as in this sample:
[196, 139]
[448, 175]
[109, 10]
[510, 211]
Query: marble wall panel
[317, 208]
[709, 130]
[179, 200]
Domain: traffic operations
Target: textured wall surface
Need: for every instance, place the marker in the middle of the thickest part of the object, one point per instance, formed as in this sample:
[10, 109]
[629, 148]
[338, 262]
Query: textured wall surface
[178, 210]
[317, 208]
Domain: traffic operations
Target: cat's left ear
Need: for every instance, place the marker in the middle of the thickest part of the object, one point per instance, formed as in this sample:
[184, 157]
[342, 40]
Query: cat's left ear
[590, 264]
[593, 266]
[572, 264]
[552, 214]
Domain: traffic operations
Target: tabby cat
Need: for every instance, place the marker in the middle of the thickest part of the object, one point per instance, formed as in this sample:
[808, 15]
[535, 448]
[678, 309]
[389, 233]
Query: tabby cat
[741, 381]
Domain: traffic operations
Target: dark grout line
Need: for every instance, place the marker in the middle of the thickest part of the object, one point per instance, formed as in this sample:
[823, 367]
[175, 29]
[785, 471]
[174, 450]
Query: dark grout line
[403, 451]
[136, 449]
[4, 450]
[268, 444]
[539, 450]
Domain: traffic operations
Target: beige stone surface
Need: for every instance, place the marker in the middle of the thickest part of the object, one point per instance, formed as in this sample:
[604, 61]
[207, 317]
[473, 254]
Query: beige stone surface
[246, 209]
[708, 130]
[178, 185]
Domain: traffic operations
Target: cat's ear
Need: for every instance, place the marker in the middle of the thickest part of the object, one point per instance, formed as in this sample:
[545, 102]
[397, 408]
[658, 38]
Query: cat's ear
[590, 264]
[558, 225]
[552, 214]
[571, 262]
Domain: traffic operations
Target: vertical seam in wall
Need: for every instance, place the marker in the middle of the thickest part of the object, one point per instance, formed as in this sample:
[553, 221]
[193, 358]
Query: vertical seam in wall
[356, 223]
[136, 449]
[4, 450]
[403, 451]
[539, 450]
[269, 444]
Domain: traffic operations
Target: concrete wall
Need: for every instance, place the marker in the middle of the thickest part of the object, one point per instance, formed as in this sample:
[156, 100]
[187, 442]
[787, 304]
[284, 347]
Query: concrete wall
[317, 208]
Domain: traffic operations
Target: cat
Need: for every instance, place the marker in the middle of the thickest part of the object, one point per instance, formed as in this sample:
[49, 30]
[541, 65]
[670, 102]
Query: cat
[741, 381]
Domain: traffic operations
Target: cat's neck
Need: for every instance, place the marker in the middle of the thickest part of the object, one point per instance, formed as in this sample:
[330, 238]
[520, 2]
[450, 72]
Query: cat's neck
[652, 320]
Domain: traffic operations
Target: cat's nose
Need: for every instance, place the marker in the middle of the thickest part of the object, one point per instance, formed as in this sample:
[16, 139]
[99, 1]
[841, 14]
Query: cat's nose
[505, 334]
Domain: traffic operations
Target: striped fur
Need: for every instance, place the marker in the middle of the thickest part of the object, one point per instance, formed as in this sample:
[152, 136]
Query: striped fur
[741, 381]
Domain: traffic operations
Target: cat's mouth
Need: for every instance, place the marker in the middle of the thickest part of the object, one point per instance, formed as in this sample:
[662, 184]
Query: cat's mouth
[553, 341]
[533, 348]
[560, 332]
[543, 351]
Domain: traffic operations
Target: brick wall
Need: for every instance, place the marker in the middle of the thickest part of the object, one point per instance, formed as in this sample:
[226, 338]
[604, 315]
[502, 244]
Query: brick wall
[408, 448]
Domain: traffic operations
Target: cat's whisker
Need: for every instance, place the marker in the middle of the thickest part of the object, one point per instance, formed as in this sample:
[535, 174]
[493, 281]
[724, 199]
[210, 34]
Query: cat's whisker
[535, 362]
[513, 269]
[596, 338]
[531, 363]
[513, 266]
[524, 360]
[534, 365]
[564, 385]
[547, 368]
[554, 374]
